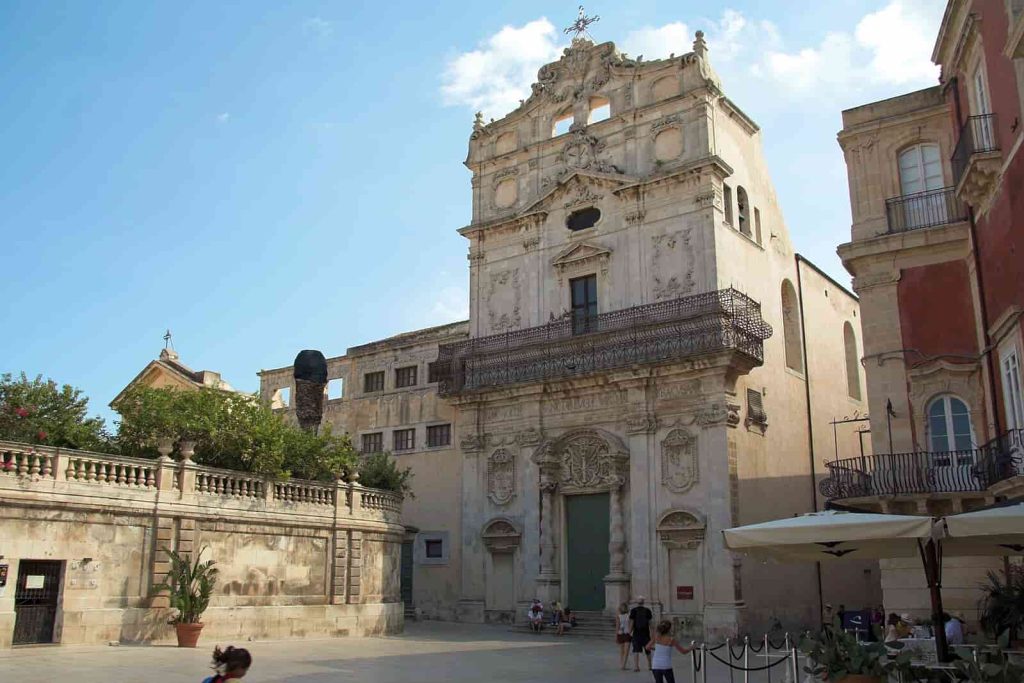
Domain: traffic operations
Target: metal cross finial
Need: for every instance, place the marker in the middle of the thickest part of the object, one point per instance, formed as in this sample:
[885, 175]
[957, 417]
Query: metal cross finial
[579, 27]
[167, 340]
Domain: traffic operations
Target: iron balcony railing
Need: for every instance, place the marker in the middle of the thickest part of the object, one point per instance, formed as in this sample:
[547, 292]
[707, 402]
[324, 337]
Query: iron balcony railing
[895, 474]
[651, 333]
[977, 136]
[925, 210]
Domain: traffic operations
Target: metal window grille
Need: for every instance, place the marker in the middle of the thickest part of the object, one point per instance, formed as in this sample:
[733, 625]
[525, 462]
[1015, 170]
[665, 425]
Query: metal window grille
[439, 435]
[373, 381]
[405, 439]
[373, 443]
[405, 377]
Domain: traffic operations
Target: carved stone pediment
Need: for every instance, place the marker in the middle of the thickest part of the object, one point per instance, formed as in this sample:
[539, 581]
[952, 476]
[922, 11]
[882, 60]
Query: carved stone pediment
[571, 188]
[580, 255]
[679, 529]
[501, 535]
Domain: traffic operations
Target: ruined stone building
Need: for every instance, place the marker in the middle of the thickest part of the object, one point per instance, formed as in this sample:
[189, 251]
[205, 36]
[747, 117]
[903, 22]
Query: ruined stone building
[647, 361]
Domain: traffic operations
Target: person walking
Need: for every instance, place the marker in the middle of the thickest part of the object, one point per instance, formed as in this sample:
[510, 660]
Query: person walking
[229, 663]
[664, 643]
[640, 632]
[622, 633]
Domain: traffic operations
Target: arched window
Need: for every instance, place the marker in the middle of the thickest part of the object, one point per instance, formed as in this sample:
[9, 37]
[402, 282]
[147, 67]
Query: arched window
[949, 425]
[791, 327]
[852, 361]
[741, 210]
[562, 123]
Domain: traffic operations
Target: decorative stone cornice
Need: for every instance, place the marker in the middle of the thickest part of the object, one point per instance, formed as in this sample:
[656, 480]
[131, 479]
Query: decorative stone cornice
[642, 423]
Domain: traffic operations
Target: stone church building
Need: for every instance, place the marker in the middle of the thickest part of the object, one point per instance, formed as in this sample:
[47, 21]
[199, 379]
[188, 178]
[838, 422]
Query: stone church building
[647, 362]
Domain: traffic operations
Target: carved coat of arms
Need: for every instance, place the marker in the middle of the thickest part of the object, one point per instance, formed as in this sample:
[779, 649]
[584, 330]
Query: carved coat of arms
[679, 467]
[501, 477]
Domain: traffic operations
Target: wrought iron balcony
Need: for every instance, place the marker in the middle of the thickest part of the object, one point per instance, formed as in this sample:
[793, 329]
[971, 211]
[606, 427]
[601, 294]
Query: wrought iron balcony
[925, 210]
[899, 474]
[976, 159]
[653, 333]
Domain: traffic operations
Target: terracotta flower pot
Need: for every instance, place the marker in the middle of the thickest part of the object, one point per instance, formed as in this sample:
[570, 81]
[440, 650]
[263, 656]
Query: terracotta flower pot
[188, 634]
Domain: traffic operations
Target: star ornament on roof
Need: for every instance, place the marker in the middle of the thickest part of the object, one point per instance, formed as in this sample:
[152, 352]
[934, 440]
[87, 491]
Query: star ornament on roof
[579, 27]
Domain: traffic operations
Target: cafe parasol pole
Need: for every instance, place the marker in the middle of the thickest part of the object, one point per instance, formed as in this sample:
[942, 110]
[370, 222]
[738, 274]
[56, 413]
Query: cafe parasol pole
[931, 557]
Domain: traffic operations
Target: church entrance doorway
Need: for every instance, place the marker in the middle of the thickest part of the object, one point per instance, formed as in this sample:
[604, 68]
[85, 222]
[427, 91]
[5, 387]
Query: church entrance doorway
[587, 557]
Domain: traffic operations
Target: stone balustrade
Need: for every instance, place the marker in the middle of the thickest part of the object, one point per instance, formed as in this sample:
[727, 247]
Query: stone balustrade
[295, 558]
[40, 467]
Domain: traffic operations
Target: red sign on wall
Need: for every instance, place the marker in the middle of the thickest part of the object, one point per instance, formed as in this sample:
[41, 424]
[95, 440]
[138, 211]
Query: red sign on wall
[684, 592]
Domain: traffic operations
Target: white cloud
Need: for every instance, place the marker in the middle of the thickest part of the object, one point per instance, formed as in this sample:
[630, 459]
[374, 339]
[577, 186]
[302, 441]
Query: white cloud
[656, 42]
[889, 47]
[451, 305]
[223, 117]
[319, 27]
[495, 76]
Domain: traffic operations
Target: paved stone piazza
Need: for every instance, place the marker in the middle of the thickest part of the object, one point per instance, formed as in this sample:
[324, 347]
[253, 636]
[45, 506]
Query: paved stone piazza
[426, 652]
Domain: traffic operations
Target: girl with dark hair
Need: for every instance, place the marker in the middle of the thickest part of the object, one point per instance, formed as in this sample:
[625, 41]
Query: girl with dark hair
[664, 643]
[229, 663]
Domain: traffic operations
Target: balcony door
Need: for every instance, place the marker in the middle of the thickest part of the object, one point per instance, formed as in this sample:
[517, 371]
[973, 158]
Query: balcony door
[921, 175]
[584, 304]
[1012, 395]
[951, 461]
[982, 105]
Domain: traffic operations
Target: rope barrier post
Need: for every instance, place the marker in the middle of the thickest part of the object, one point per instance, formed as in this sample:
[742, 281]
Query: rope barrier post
[796, 663]
[746, 659]
[788, 675]
[704, 662]
[768, 656]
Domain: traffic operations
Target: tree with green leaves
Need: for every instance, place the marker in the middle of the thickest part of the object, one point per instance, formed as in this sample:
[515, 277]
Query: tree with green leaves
[42, 412]
[380, 471]
[230, 430]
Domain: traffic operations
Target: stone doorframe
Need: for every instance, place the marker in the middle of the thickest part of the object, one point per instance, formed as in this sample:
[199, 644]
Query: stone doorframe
[583, 461]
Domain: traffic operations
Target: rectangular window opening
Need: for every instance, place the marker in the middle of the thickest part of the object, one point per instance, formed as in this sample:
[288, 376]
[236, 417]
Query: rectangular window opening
[727, 200]
[373, 443]
[404, 439]
[439, 435]
[433, 548]
[757, 224]
[335, 388]
[373, 381]
[583, 292]
[405, 377]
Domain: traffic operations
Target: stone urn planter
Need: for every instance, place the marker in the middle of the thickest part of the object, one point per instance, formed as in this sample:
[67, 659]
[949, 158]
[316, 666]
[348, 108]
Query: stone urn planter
[188, 449]
[188, 634]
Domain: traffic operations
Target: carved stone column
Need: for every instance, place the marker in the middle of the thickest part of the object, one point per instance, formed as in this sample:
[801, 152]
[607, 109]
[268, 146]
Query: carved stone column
[616, 584]
[548, 581]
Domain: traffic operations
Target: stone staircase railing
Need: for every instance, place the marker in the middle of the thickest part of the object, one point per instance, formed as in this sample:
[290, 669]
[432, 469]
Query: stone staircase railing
[61, 469]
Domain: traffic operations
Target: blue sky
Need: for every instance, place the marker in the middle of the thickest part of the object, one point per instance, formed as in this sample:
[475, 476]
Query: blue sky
[263, 177]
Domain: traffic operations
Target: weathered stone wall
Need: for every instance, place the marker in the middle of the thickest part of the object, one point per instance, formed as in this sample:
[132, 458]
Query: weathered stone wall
[295, 558]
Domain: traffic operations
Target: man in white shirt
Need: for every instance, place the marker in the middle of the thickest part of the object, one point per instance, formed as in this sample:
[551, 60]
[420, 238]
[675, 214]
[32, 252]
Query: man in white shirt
[954, 630]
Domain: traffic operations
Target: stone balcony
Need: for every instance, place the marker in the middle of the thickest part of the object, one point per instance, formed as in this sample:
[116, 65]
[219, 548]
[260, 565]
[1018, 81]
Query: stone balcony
[908, 482]
[977, 160]
[662, 332]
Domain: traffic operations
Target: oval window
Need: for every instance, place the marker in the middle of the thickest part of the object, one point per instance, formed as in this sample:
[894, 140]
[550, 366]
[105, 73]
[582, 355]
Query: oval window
[583, 219]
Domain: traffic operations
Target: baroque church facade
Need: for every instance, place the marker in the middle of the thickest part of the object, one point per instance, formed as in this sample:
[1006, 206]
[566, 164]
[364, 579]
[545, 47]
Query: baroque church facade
[646, 363]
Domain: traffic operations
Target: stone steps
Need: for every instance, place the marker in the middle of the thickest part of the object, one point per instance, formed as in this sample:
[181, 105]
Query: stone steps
[589, 625]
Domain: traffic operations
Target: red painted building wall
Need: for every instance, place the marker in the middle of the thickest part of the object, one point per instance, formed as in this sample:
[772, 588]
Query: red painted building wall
[936, 312]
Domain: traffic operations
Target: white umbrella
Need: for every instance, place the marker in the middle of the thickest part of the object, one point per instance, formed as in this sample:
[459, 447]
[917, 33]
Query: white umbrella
[831, 535]
[995, 531]
[834, 534]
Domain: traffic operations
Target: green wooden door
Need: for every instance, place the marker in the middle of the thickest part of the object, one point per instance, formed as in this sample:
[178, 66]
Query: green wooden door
[586, 524]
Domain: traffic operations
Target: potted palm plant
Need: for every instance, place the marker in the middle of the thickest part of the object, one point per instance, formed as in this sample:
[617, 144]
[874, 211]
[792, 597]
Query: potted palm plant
[837, 656]
[1002, 605]
[189, 585]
